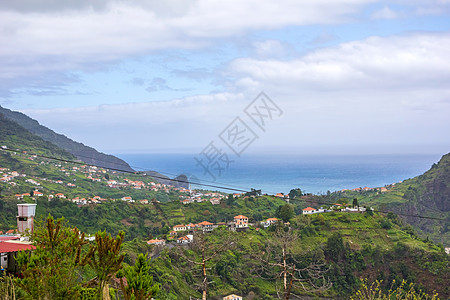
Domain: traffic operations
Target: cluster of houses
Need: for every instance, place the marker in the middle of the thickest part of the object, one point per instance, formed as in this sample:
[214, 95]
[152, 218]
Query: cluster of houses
[382, 189]
[96, 174]
[7, 176]
[212, 197]
[334, 207]
[239, 223]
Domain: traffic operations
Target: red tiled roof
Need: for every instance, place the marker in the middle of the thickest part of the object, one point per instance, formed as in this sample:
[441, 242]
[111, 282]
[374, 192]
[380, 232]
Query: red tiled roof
[154, 241]
[205, 223]
[309, 209]
[240, 217]
[13, 247]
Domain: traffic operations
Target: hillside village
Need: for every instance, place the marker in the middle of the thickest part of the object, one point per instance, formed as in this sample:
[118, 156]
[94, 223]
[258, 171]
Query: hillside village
[68, 174]
[138, 188]
[167, 219]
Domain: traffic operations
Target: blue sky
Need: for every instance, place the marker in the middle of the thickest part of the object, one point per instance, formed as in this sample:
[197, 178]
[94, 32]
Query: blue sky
[150, 76]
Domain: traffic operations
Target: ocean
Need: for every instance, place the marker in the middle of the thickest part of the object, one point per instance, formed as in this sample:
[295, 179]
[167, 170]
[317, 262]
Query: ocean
[280, 173]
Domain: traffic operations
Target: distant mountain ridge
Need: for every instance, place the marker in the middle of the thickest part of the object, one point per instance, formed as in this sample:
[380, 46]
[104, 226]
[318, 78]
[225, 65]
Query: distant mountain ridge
[425, 195]
[15, 137]
[79, 150]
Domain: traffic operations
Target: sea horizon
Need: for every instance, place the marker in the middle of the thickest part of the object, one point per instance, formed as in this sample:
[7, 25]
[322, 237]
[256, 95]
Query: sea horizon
[315, 174]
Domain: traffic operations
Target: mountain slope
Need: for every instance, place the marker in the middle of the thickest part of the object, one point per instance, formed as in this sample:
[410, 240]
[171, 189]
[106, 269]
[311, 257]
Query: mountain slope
[15, 137]
[425, 195]
[79, 150]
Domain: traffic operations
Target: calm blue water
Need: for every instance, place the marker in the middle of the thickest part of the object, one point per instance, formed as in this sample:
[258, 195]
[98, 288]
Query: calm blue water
[274, 174]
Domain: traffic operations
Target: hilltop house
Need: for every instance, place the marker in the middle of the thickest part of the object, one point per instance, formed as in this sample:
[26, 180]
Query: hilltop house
[185, 239]
[128, 199]
[179, 228]
[206, 226]
[269, 222]
[37, 194]
[191, 226]
[156, 242]
[239, 223]
[309, 210]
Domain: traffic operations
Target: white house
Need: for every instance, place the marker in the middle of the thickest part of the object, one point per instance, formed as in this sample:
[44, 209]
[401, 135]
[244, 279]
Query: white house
[185, 239]
[156, 242]
[269, 222]
[179, 228]
[309, 210]
[241, 221]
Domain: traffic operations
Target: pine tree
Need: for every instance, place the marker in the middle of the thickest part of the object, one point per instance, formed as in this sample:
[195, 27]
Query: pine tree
[139, 282]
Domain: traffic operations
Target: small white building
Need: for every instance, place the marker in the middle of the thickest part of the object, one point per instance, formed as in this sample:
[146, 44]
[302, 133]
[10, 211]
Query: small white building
[309, 210]
[269, 222]
[179, 228]
[156, 242]
[185, 239]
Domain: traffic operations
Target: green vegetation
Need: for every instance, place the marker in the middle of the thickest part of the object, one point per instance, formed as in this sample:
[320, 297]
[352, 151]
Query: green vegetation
[139, 281]
[342, 246]
[53, 270]
[425, 195]
[404, 291]
[319, 255]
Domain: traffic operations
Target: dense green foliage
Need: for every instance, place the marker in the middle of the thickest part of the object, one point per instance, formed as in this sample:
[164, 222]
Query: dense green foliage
[351, 246]
[51, 270]
[139, 282]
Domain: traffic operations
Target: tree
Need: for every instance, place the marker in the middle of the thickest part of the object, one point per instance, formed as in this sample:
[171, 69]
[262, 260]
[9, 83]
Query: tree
[280, 261]
[231, 200]
[335, 246]
[50, 271]
[139, 282]
[208, 251]
[106, 259]
[294, 193]
[285, 212]
[355, 202]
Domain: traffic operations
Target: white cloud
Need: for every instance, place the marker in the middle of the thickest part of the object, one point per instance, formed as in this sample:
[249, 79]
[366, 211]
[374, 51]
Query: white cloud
[385, 13]
[411, 61]
[74, 35]
[271, 48]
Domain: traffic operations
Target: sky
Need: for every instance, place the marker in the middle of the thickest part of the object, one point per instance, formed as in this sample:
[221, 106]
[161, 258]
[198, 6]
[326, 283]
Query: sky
[311, 76]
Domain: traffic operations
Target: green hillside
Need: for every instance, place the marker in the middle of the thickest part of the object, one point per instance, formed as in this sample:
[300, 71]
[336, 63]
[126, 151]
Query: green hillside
[345, 246]
[81, 151]
[18, 138]
[427, 195]
[330, 251]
